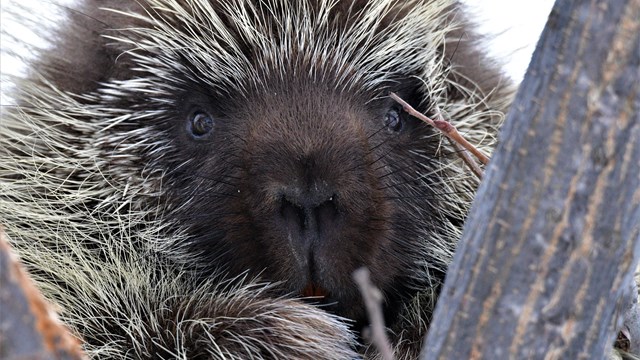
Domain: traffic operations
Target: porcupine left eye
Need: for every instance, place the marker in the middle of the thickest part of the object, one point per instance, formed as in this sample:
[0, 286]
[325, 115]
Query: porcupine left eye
[200, 124]
[393, 120]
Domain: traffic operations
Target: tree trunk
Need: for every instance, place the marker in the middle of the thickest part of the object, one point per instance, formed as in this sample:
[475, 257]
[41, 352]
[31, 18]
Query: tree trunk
[549, 250]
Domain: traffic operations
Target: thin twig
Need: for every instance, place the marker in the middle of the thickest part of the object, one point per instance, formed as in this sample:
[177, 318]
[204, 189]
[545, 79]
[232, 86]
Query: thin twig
[445, 127]
[473, 165]
[373, 302]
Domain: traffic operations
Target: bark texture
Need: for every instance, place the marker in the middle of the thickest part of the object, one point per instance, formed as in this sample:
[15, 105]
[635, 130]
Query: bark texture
[548, 254]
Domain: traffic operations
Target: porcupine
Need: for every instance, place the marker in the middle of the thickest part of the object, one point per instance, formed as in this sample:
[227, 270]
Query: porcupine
[179, 175]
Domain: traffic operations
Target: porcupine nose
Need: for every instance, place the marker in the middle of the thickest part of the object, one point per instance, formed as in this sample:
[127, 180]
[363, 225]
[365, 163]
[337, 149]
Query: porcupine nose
[308, 215]
[308, 203]
[310, 221]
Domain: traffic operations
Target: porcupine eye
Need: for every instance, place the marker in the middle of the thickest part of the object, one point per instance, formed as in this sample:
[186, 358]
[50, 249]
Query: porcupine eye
[200, 124]
[392, 120]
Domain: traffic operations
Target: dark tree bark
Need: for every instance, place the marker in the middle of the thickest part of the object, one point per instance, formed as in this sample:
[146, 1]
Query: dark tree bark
[546, 261]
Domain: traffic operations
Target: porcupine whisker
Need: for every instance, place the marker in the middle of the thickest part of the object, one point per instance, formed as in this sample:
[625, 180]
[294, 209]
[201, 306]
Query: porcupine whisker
[208, 178]
[376, 132]
[405, 169]
[427, 177]
[401, 161]
[237, 136]
[395, 171]
[428, 197]
[205, 195]
[209, 215]
[382, 156]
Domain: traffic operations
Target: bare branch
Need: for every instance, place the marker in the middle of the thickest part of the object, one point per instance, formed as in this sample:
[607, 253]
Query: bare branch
[444, 126]
[373, 302]
[472, 164]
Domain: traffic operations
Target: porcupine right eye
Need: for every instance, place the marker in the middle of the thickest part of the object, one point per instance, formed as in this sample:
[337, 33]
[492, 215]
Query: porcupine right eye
[200, 124]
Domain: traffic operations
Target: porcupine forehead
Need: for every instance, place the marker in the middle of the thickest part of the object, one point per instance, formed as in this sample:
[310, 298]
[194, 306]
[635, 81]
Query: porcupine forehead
[241, 44]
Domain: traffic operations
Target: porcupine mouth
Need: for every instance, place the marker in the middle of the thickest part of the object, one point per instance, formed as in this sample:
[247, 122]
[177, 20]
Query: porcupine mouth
[312, 290]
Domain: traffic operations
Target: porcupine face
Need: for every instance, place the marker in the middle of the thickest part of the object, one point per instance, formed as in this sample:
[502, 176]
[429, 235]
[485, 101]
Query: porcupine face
[286, 159]
[303, 184]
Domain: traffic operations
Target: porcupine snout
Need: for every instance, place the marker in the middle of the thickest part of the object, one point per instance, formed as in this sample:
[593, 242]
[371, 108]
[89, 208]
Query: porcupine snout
[312, 193]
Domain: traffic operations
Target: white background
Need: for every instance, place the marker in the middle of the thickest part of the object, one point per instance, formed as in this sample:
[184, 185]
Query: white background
[513, 27]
